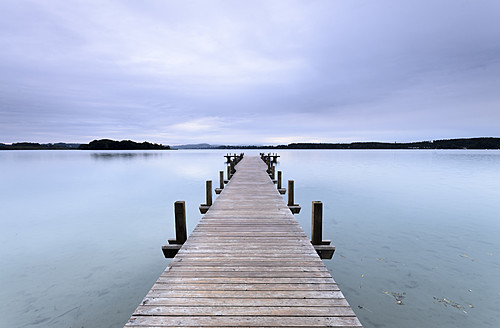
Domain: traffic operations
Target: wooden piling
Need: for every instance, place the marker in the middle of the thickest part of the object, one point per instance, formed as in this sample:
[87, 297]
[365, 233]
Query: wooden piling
[171, 250]
[317, 223]
[322, 247]
[232, 166]
[281, 190]
[204, 207]
[295, 208]
[221, 183]
[290, 193]
[209, 192]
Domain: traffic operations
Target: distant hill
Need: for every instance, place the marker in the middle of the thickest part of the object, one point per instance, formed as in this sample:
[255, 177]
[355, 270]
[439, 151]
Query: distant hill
[107, 144]
[196, 146]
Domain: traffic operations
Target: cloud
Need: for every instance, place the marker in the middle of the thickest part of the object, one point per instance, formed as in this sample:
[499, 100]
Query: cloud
[248, 71]
[205, 124]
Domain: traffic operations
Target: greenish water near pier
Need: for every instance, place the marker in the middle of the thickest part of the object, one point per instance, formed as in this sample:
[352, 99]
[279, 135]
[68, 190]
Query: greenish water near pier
[416, 231]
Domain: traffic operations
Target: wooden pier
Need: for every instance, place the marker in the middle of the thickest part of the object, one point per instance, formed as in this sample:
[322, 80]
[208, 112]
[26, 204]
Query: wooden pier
[248, 263]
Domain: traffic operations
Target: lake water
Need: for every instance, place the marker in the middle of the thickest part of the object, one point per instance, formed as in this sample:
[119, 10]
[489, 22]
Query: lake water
[416, 232]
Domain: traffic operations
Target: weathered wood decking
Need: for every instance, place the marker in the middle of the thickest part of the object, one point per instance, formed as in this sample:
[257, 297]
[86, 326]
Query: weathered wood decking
[248, 263]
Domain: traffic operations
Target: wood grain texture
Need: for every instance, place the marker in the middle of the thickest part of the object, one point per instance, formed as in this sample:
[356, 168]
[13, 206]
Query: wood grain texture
[248, 263]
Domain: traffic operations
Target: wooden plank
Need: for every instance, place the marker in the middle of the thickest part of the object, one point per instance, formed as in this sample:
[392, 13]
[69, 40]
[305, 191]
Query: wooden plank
[262, 264]
[234, 247]
[246, 286]
[243, 269]
[241, 260]
[249, 230]
[232, 254]
[230, 226]
[308, 311]
[245, 240]
[221, 301]
[245, 256]
[261, 274]
[270, 234]
[230, 251]
[244, 321]
[233, 280]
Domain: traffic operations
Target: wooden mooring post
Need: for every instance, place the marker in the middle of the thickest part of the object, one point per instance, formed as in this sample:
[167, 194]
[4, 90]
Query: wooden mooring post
[204, 207]
[281, 190]
[234, 158]
[295, 208]
[322, 247]
[221, 183]
[317, 223]
[232, 167]
[273, 174]
[170, 250]
[228, 174]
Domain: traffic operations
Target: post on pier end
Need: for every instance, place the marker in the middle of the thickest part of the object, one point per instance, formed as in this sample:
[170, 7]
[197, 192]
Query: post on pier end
[294, 208]
[228, 174]
[170, 250]
[281, 190]
[322, 247]
[204, 207]
[273, 174]
[232, 167]
[221, 183]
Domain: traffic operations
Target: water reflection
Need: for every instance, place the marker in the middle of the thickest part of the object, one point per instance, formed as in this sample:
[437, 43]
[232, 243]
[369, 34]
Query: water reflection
[124, 155]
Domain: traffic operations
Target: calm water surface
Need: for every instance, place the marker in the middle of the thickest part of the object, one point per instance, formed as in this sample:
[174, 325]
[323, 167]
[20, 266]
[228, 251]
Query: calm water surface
[417, 232]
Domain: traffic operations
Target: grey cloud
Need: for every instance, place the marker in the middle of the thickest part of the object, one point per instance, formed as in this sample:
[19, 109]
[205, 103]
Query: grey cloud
[248, 71]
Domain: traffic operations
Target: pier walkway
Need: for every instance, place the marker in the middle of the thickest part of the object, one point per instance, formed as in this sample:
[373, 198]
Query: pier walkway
[248, 263]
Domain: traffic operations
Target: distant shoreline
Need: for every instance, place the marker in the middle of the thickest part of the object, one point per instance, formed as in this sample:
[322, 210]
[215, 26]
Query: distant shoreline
[107, 144]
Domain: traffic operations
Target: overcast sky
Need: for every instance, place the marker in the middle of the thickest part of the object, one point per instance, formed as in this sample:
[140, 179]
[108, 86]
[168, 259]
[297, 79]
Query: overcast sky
[249, 72]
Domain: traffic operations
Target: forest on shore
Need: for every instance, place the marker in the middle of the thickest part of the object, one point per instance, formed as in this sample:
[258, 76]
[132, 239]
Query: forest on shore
[465, 143]
[102, 144]
[108, 144]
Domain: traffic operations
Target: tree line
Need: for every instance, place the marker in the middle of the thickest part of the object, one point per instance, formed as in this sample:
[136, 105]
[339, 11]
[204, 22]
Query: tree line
[108, 144]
